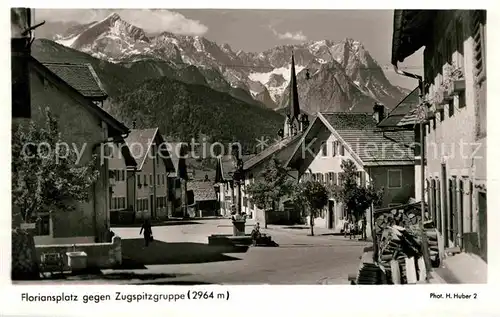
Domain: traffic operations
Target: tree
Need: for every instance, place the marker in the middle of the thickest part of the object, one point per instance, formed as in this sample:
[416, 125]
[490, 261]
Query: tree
[313, 196]
[46, 176]
[356, 198]
[270, 186]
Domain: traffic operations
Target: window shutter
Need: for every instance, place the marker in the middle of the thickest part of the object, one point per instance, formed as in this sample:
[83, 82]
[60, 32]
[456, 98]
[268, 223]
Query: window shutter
[478, 31]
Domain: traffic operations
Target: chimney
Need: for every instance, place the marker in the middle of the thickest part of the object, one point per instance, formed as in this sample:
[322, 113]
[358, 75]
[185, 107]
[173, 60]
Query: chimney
[378, 112]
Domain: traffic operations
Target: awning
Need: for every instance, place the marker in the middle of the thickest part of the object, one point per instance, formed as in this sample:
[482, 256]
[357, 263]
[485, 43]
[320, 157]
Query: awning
[411, 31]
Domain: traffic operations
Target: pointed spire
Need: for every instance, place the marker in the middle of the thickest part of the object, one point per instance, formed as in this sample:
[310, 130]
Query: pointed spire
[294, 109]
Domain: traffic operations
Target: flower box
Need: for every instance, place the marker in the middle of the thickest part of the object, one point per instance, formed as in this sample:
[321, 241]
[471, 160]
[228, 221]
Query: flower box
[458, 86]
[438, 107]
[77, 260]
[447, 96]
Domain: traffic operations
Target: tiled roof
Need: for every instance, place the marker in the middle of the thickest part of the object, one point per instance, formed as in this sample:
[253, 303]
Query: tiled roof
[372, 145]
[139, 141]
[396, 118]
[82, 77]
[202, 190]
[270, 150]
[227, 166]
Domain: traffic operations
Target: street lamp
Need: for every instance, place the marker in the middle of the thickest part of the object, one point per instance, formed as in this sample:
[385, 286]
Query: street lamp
[238, 177]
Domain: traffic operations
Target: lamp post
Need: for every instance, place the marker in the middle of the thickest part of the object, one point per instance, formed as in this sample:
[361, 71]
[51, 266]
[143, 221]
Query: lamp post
[238, 177]
[217, 195]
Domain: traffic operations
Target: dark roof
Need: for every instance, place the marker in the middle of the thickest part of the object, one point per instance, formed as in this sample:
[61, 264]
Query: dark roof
[82, 77]
[203, 191]
[411, 29]
[139, 142]
[369, 143]
[395, 118]
[349, 120]
[270, 150]
[225, 167]
[116, 127]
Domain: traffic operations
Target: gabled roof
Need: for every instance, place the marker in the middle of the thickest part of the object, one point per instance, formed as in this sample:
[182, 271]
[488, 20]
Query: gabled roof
[398, 116]
[139, 142]
[203, 191]
[121, 152]
[82, 77]
[366, 143]
[226, 167]
[116, 127]
[373, 146]
[270, 151]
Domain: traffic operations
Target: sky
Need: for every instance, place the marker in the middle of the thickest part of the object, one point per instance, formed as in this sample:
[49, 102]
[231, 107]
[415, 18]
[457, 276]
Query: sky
[259, 30]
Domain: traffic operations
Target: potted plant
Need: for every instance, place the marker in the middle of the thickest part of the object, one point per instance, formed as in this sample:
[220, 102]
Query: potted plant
[457, 79]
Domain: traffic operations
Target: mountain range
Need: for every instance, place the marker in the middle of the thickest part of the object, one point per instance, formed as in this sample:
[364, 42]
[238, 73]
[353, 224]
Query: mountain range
[331, 76]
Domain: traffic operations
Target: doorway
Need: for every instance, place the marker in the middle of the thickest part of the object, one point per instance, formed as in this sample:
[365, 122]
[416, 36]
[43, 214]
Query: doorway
[331, 214]
[483, 226]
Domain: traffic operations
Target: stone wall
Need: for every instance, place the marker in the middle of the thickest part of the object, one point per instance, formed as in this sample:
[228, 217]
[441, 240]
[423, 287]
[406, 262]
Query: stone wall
[99, 255]
[24, 260]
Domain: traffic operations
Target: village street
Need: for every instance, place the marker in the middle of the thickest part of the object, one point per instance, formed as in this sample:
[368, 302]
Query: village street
[180, 253]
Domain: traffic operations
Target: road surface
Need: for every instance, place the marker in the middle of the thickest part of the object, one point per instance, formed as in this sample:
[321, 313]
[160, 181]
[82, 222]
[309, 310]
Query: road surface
[299, 259]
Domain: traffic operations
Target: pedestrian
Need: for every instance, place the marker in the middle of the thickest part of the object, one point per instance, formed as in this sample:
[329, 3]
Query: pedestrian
[255, 234]
[352, 229]
[345, 226]
[148, 232]
[363, 225]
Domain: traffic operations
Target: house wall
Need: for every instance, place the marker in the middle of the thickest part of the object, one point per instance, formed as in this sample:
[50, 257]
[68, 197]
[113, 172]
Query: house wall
[151, 169]
[323, 164]
[379, 177]
[78, 126]
[456, 137]
[118, 185]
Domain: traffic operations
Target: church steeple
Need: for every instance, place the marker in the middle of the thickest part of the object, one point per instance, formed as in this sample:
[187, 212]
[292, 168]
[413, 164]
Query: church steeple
[292, 122]
[294, 108]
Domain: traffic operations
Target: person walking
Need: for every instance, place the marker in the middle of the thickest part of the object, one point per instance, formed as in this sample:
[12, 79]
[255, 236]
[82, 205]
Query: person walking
[345, 226]
[148, 232]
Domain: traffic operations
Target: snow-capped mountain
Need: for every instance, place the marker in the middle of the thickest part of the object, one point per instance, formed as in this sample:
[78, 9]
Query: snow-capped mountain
[342, 76]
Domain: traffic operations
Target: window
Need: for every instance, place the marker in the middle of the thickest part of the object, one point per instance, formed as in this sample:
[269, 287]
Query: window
[451, 108]
[334, 148]
[139, 180]
[394, 205]
[145, 180]
[163, 179]
[123, 175]
[42, 225]
[361, 178]
[158, 179]
[394, 179]
[341, 150]
[334, 181]
[324, 150]
[479, 34]
[151, 179]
